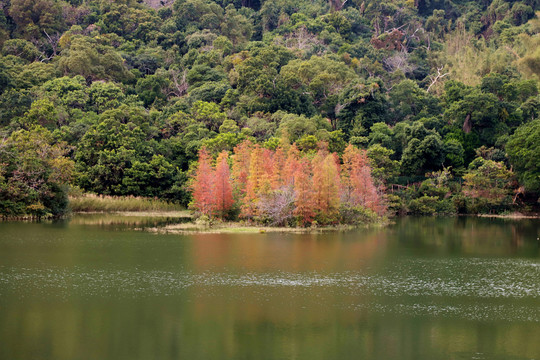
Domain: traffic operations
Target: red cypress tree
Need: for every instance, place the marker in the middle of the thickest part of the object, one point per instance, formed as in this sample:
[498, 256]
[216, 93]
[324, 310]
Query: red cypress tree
[223, 187]
[265, 186]
[350, 156]
[358, 184]
[203, 185]
[291, 165]
[303, 188]
[278, 173]
[268, 162]
[365, 192]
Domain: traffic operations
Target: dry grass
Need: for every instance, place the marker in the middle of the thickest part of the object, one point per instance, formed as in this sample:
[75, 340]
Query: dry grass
[100, 203]
[237, 228]
[514, 215]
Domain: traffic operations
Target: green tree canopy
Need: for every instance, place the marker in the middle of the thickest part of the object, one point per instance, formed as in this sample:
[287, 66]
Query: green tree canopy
[524, 151]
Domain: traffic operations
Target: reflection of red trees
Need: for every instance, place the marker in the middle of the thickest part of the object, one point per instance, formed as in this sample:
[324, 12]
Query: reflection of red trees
[279, 185]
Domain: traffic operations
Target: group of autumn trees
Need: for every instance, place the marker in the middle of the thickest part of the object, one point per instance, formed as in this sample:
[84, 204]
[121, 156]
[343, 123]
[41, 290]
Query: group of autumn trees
[443, 96]
[285, 186]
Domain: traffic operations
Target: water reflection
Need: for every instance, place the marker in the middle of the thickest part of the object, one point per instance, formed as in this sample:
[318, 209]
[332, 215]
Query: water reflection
[127, 220]
[228, 330]
[288, 252]
[423, 288]
[469, 235]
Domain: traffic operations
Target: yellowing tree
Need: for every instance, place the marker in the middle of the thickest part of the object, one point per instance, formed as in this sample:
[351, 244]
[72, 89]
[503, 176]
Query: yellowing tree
[326, 184]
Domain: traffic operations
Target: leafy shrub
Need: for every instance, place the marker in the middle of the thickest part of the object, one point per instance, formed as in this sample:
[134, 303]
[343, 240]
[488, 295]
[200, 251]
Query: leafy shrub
[425, 205]
[356, 215]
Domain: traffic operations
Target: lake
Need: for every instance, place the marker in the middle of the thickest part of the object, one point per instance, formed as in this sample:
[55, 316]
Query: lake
[95, 287]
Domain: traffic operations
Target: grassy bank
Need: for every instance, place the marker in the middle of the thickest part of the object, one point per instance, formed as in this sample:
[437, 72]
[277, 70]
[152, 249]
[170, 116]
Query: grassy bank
[230, 227]
[237, 228]
[514, 215]
[101, 203]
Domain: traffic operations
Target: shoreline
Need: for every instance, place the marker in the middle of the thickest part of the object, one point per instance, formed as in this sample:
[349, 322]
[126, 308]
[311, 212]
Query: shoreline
[242, 228]
[173, 213]
[191, 227]
[515, 216]
[179, 214]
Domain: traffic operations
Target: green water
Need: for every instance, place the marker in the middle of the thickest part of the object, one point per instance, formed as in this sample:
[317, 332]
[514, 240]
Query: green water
[424, 288]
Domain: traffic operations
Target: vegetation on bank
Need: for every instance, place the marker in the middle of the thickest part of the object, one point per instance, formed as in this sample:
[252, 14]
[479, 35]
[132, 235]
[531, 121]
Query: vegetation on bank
[117, 98]
[205, 224]
[102, 203]
[284, 187]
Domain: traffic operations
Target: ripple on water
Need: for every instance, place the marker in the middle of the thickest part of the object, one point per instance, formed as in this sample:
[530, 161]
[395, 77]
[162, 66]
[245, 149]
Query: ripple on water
[472, 285]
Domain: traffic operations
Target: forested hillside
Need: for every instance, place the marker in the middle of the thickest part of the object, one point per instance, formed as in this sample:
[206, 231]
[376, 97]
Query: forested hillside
[119, 97]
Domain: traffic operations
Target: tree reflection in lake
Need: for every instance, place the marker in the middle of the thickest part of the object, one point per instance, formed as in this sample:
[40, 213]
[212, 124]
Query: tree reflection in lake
[424, 288]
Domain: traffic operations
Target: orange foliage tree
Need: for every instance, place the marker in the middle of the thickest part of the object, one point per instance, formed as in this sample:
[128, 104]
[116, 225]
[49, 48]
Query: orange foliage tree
[358, 186]
[240, 166]
[291, 165]
[223, 200]
[303, 187]
[326, 184]
[278, 173]
[276, 186]
[254, 182]
[203, 185]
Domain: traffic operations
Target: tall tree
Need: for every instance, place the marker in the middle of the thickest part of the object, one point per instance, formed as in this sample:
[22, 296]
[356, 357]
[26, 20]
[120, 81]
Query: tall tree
[34, 174]
[254, 182]
[240, 166]
[326, 184]
[291, 165]
[278, 172]
[265, 186]
[33, 17]
[358, 185]
[303, 187]
[203, 185]
[223, 188]
[489, 180]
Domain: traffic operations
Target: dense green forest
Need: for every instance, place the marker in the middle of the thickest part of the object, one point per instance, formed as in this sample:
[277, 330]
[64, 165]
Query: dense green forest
[118, 97]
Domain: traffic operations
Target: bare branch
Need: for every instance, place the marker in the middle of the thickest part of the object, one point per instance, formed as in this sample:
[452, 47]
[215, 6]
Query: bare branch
[400, 61]
[435, 79]
[53, 42]
[180, 83]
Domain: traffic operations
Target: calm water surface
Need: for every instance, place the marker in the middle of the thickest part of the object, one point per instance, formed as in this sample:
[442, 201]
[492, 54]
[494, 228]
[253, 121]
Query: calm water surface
[424, 288]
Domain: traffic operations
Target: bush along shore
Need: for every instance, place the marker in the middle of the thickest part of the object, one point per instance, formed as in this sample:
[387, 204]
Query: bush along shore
[206, 225]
